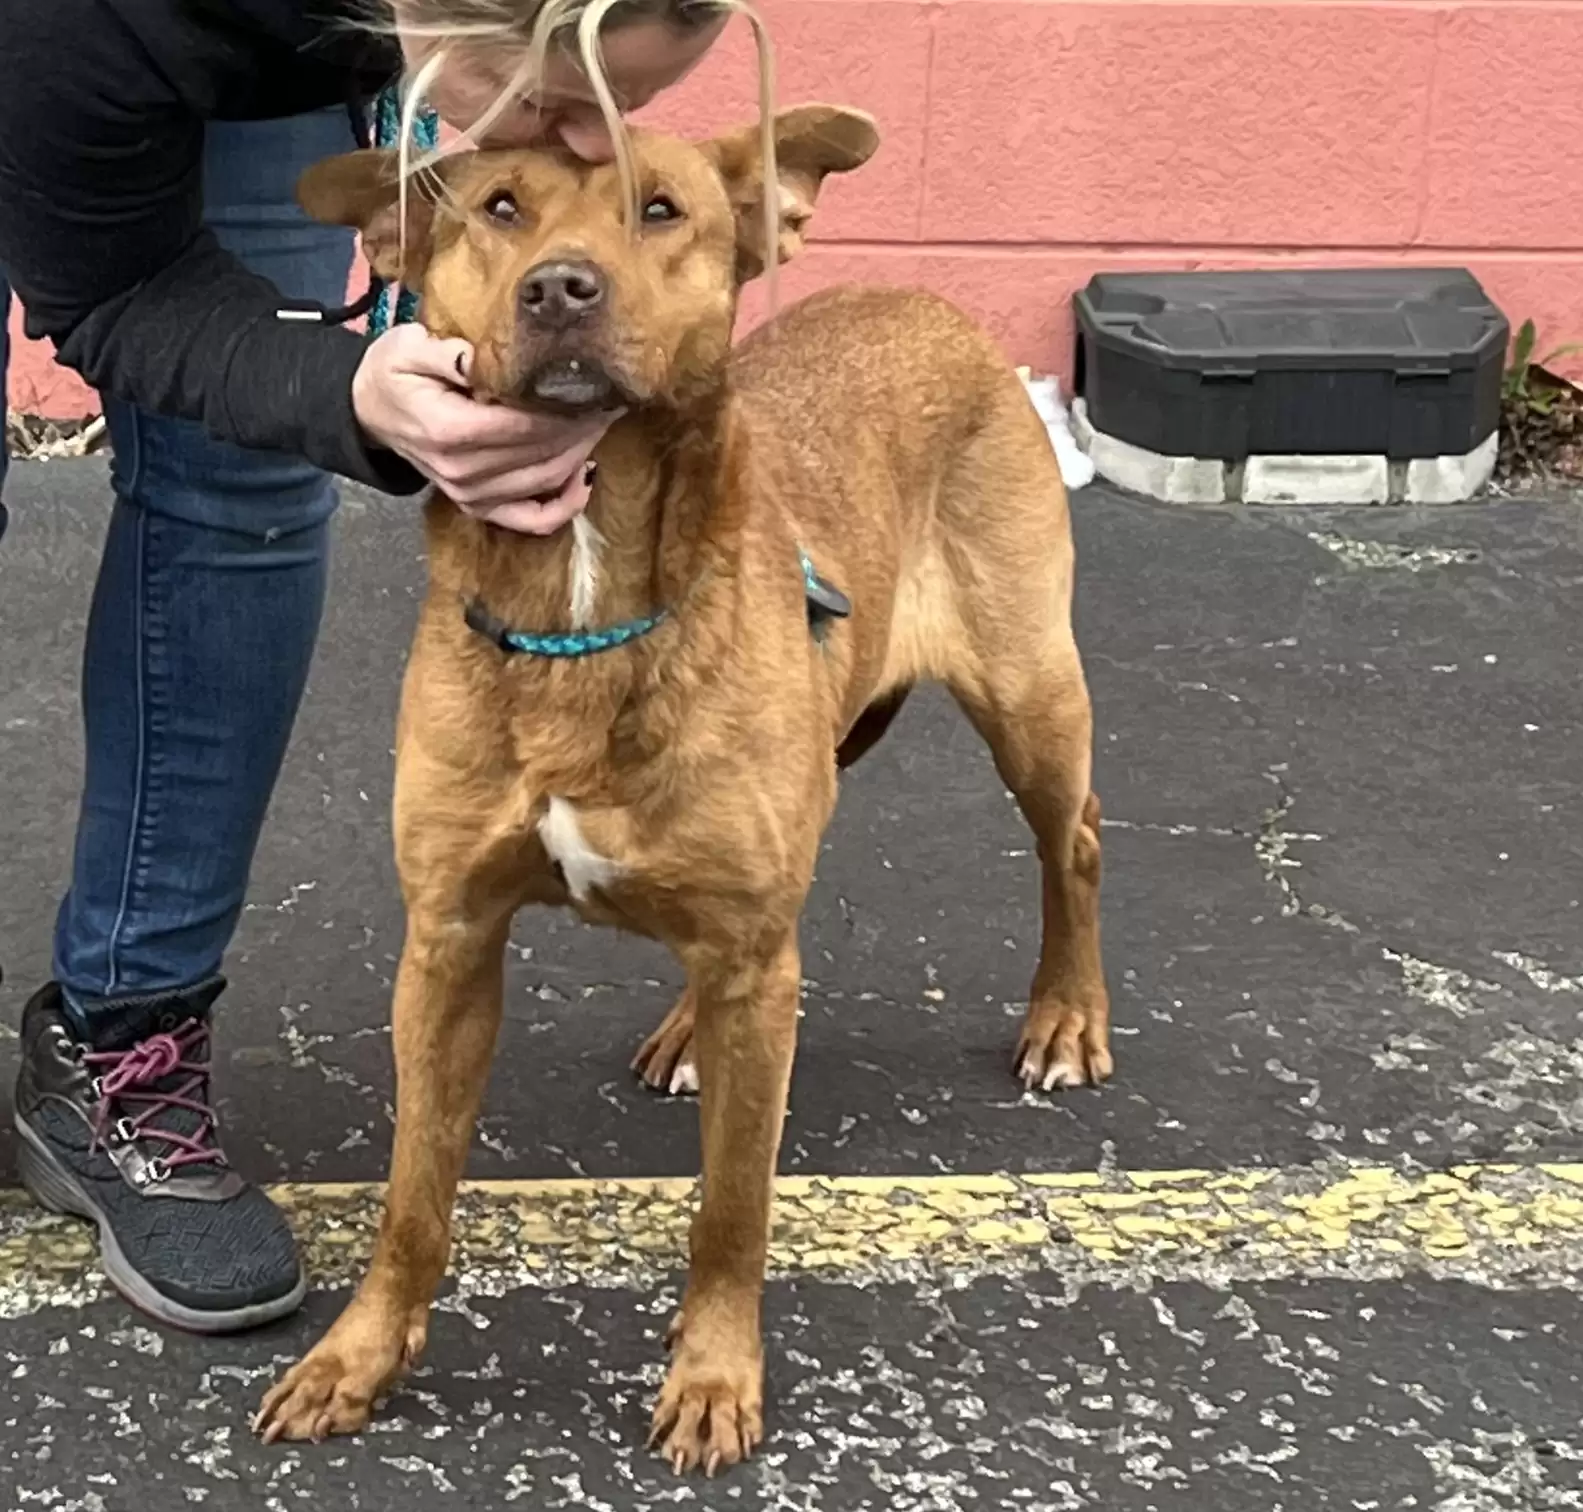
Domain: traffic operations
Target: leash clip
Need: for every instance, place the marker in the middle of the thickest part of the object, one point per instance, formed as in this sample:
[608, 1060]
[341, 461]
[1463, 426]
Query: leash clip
[825, 600]
[482, 622]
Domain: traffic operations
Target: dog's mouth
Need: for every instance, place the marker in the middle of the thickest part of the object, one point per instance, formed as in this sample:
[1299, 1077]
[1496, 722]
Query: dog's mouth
[576, 386]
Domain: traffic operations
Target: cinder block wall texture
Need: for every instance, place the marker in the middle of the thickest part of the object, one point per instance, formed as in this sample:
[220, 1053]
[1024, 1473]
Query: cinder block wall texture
[1030, 143]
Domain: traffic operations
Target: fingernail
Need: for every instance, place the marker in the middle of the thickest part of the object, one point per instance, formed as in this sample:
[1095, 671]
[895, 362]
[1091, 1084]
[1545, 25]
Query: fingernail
[461, 366]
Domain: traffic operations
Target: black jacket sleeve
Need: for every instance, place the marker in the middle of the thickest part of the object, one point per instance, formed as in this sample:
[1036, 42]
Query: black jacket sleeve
[101, 236]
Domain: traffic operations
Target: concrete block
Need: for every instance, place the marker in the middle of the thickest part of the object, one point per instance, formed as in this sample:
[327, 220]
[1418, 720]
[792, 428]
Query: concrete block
[1283, 479]
[1172, 480]
[1450, 480]
[1316, 480]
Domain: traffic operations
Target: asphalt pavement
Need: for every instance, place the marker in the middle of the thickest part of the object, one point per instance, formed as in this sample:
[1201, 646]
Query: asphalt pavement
[1317, 1246]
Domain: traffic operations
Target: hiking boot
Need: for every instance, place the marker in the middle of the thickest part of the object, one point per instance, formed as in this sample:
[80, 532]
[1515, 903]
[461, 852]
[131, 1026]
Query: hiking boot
[121, 1132]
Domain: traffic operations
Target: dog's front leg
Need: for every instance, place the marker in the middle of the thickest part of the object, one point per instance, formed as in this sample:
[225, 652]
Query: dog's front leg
[710, 1410]
[447, 1013]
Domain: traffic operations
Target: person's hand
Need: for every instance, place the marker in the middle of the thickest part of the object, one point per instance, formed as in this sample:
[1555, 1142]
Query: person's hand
[521, 471]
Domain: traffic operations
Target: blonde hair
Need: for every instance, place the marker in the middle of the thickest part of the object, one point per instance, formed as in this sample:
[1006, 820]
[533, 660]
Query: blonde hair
[539, 27]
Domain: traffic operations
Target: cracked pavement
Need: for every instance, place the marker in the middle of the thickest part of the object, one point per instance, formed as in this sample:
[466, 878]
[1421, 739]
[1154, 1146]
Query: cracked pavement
[1338, 753]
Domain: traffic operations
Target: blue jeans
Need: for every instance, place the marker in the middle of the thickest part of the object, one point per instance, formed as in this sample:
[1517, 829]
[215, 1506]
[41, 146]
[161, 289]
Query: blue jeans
[203, 624]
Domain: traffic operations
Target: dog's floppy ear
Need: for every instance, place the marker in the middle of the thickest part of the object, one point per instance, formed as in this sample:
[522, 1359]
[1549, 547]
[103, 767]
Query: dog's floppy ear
[363, 190]
[810, 142]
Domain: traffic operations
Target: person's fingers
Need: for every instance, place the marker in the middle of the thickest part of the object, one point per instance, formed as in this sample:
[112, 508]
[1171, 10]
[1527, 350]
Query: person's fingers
[470, 468]
[527, 468]
[585, 135]
[449, 361]
[538, 517]
[411, 395]
[452, 423]
[559, 511]
[519, 483]
[445, 419]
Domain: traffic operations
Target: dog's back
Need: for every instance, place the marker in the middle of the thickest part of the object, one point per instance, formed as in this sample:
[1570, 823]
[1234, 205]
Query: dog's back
[900, 366]
[922, 468]
[901, 361]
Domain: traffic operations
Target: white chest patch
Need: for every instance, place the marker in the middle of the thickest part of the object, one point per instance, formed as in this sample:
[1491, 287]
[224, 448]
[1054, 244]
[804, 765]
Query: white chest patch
[587, 549]
[584, 869]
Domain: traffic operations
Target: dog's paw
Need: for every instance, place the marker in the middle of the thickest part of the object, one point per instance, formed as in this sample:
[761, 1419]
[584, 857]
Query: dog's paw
[665, 1060]
[318, 1397]
[710, 1414]
[334, 1389]
[1064, 1047]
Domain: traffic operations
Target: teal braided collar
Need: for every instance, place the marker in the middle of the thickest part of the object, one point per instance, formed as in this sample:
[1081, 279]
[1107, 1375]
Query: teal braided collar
[562, 645]
[825, 603]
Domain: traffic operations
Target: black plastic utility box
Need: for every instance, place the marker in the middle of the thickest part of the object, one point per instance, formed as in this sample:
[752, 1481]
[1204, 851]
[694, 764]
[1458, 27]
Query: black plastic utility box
[1401, 361]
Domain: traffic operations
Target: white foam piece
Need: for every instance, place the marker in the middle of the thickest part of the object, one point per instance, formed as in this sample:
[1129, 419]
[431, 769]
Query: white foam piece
[1076, 467]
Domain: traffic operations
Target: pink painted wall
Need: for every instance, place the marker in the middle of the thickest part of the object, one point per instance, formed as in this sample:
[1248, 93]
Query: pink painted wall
[1030, 143]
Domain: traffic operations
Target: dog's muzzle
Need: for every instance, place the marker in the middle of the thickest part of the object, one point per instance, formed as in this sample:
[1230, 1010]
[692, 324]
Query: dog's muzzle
[574, 386]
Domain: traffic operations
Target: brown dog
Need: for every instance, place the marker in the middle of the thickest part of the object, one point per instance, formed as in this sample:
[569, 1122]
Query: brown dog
[676, 782]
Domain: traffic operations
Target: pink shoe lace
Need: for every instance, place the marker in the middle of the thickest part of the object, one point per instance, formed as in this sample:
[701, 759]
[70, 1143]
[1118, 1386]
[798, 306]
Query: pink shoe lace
[159, 1077]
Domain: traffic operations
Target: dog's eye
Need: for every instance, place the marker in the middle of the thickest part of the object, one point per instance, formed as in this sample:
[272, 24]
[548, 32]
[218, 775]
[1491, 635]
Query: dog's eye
[501, 207]
[660, 209]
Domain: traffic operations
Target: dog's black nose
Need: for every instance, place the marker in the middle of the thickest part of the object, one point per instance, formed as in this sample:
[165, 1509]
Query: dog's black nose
[557, 294]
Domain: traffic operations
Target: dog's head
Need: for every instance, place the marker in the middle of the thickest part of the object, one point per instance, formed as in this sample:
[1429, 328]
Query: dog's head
[531, 256]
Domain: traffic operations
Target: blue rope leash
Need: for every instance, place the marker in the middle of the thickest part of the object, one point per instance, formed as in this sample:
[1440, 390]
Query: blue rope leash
[387, 133]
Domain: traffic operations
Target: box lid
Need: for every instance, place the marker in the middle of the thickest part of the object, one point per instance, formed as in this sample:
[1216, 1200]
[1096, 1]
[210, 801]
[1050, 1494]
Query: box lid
[1406, 319]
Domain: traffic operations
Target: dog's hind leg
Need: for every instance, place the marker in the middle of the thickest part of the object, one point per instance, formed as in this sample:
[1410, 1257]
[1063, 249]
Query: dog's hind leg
[1036, 717]
[665, 1060]
[447, 1013]
[710, 1409]
[1002, 641]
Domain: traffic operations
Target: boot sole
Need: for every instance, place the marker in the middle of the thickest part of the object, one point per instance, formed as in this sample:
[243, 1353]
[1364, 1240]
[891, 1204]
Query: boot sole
[54, 1187]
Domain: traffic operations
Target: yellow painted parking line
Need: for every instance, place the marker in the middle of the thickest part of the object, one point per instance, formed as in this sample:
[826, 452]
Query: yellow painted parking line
[1487, 1222]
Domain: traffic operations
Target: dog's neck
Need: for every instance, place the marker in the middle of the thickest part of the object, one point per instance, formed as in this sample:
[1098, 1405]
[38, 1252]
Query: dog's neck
[652, 528]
